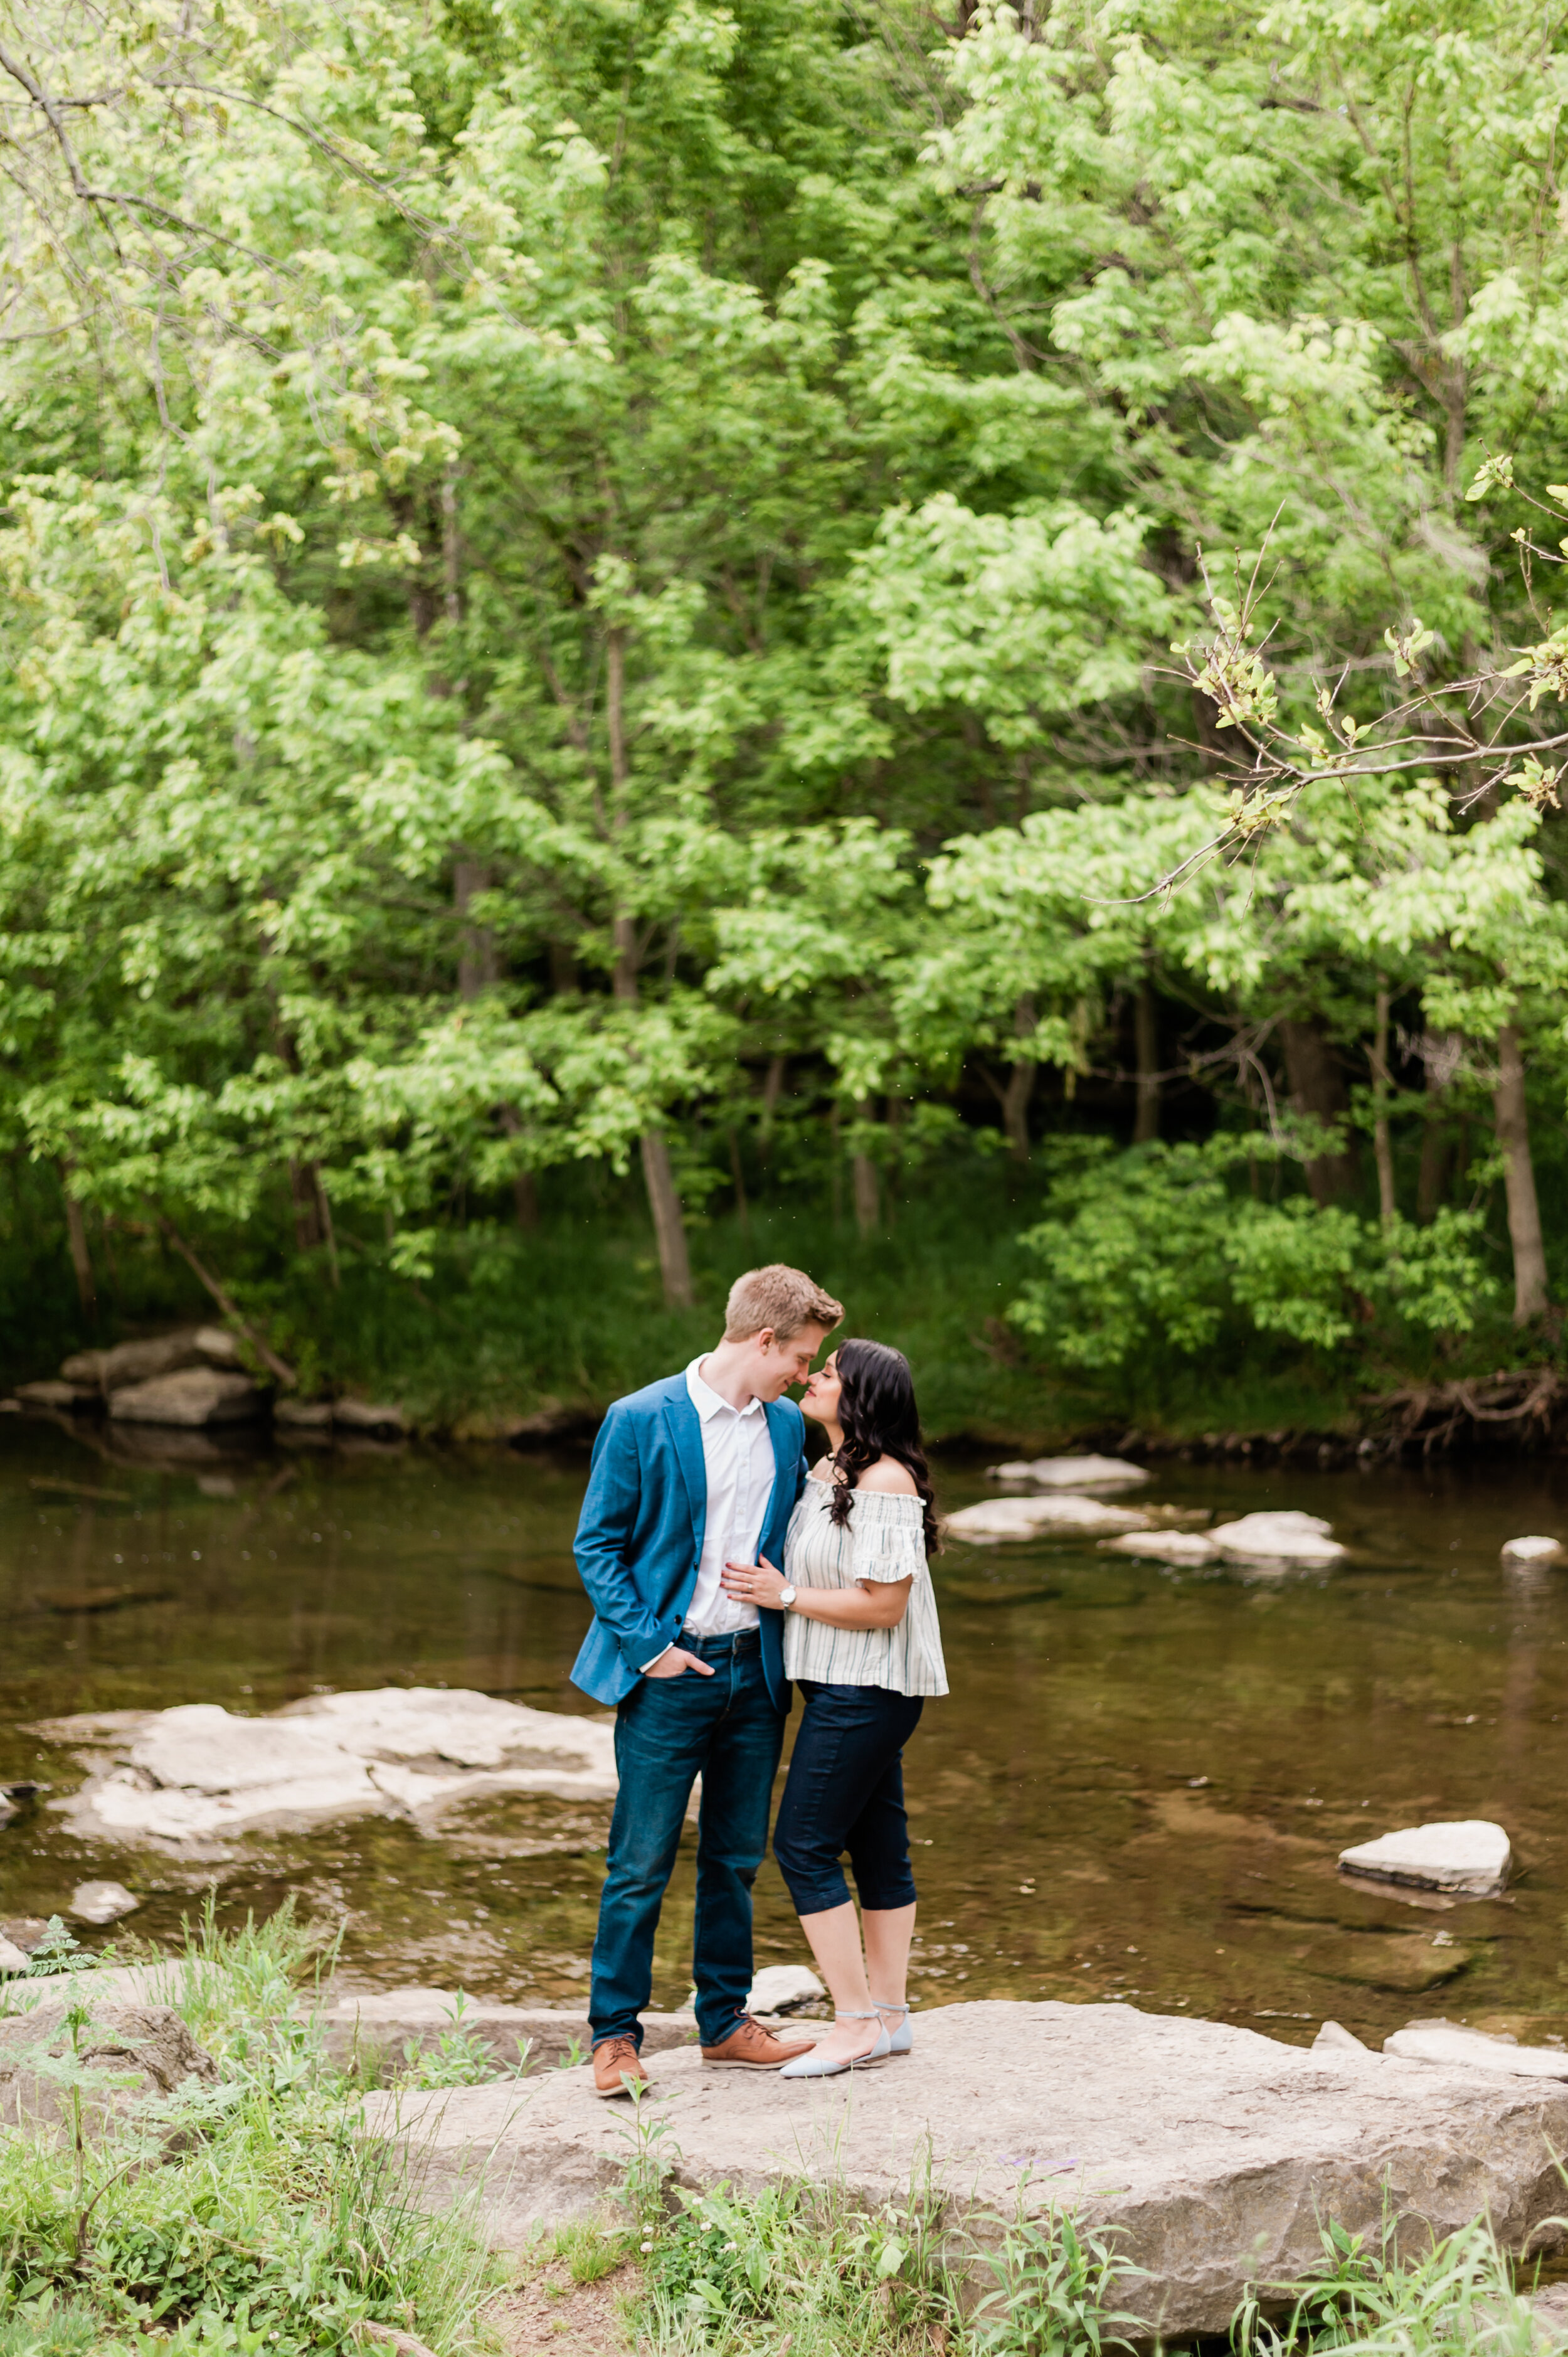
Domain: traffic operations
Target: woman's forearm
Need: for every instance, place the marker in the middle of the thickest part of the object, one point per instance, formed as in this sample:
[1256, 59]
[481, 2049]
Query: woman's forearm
[853, 1608]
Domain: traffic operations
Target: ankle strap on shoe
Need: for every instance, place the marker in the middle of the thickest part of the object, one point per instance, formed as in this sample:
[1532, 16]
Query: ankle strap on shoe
[885, 2005]
[853, 2017]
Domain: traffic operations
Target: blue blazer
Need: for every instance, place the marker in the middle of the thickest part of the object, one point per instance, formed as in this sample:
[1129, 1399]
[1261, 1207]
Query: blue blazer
[639, 1537]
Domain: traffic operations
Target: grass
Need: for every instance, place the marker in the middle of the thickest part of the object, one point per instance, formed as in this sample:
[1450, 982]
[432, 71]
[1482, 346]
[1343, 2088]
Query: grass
[1457, 2298]
[247, 2219]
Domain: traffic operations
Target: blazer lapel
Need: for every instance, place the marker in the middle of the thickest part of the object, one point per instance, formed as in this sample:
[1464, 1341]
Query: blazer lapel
[686, 1432]
[783, 1463]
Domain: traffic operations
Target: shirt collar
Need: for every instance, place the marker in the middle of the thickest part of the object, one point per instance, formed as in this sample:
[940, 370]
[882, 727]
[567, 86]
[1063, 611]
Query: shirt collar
[706, 1401]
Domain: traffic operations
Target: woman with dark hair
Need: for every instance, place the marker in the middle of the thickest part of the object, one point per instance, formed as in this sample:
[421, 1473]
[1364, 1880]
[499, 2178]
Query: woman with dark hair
[862, 1642]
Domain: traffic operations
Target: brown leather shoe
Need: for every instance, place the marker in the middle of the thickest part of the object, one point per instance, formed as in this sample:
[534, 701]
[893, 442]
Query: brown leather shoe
[750, 2047]
[618, 2066]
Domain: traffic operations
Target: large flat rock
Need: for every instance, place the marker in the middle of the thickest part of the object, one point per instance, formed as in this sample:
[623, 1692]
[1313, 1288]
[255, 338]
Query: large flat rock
[180, 1779]
[1214, 2153]
[1056, 1514]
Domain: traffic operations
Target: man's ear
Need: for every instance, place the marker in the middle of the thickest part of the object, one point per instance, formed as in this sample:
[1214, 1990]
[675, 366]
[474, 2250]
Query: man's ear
[763, 1338]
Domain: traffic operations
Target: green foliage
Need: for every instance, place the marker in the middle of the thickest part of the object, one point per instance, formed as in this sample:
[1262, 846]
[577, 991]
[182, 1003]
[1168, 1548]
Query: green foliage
[1054, 2285]
[241, 2218]
[558, 561]
[725, 2272]
[1163, 1250]
[1455, 2298]
[459, 2057]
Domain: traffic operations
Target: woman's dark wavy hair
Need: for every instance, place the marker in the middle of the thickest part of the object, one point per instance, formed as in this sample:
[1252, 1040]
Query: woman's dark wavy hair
[879, 1419]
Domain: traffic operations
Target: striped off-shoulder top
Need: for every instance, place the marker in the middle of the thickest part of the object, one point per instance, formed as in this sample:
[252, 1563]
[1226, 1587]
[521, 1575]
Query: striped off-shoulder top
[883, 1540]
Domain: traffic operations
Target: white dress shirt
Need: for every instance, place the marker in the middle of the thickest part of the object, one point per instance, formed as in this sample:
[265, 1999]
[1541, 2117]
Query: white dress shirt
[737, 1459]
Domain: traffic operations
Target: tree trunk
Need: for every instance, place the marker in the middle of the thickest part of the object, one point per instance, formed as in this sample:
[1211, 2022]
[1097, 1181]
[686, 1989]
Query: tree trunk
[1382, 1141]
[304, 1188]
[80, 1258]
[737, 1178]
[329, 1234]
[1436, 1144]
[1512, 1131]
[1146, 1038]
[773, 1090]
[867, 1194]
[1015, 1098]
[663, 1202]
[1317, 1090]
[477, 946]
[668, 1226]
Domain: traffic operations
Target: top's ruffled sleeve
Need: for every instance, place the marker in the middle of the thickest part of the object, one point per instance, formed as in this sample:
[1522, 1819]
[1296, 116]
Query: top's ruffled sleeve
[889, 1544]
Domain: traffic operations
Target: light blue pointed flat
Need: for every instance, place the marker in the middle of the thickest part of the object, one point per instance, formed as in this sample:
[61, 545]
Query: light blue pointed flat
[902, 2040]
[812, 2066]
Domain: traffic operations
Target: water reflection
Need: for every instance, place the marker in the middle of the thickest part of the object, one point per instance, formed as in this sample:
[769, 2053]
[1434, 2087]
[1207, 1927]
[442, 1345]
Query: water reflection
[1138, 1786]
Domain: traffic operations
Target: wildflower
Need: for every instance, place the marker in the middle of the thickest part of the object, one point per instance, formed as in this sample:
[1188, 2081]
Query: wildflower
[646, 2246]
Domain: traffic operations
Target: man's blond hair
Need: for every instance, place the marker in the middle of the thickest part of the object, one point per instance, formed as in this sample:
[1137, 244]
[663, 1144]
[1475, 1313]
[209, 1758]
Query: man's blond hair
[782, 1297]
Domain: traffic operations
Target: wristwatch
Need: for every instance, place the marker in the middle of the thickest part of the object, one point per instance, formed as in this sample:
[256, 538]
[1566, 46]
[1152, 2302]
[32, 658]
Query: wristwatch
[786, 1597]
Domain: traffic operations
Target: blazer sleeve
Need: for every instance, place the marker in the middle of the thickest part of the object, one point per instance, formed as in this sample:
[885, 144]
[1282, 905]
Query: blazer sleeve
[604, 1532]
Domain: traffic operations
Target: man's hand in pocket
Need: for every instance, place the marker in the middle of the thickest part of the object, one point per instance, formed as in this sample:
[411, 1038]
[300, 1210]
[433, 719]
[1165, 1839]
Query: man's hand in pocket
[675, 1664]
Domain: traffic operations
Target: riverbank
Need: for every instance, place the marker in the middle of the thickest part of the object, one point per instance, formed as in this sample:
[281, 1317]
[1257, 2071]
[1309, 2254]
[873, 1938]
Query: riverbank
[501, 1332]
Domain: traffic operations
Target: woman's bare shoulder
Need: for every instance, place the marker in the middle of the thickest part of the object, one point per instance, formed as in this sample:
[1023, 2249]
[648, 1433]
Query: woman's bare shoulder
[889, 1475]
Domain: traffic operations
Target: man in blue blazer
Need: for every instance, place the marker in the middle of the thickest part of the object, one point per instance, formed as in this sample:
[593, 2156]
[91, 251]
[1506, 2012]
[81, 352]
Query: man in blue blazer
[689, 1474]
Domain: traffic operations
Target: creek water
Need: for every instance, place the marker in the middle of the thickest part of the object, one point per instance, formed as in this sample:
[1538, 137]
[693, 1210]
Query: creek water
[1138, 1788]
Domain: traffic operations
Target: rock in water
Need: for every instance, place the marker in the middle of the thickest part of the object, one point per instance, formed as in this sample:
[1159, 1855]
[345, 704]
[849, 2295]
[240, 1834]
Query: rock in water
[195, 1395]
[198, 1772]
[303, 1415]
[1285, 1537]
[52, 1394]
[1466, 1855]
[12, 1958]
[779, 1986]
[1072, 1472]
[1166, 1546]
[1535, 1551]
[1053, 1516]
[1333, 2037]
[1444, 2042]
[362, 1416]
[101, 1902]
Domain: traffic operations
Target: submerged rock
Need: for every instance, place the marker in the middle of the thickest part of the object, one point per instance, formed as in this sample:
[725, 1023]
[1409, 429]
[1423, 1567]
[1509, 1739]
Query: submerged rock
[195, 1396]
[1284, 1537]
[1466, 1854]
[1053, 1515]
[1166, 1546]
[1209, 2154]
[198, 1772]
[1446, 2043]
[1072, 1472]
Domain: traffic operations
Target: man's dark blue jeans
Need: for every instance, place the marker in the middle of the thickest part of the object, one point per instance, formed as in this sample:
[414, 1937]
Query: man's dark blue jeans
[668, 1731]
